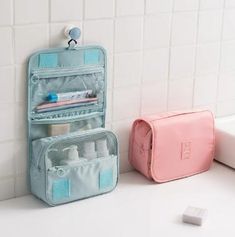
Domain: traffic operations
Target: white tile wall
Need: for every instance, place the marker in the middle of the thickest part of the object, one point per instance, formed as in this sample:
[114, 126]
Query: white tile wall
[186, 5]
[157, 30]
[7, 92]
[128, 34]
[182, 62]
[154, 98]
[6, 12]
[6, 47]
[180, 94]
[226, 87]
[28, 39]
[120, 98]
[210, 24]
[99, 9]
[162, 55]
[7, 187]
[127, 69]
[155, 65]
[207, 59]
[205, 89]
[228, 56]
[7, 159]
[212, 4]
[130, 7]
[184, 28]
[229, 3]
[69, 10]
[229, 24]
[28, 11]
[156, 6]
[7, 122]
[102, 35]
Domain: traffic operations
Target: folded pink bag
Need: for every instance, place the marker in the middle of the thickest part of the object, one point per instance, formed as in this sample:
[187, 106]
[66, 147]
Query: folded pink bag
[172, 145]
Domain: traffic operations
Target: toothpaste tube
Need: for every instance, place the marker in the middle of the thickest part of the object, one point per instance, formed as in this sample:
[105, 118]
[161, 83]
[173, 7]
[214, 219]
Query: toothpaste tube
[54, 97]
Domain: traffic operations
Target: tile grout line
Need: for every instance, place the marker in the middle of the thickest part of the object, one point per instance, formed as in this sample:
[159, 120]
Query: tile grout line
[15, 79]
[220, 59]
[83, 20]
[141, 83]
[7, 177]
[49, 22]
[169, 56]
[196, 53]
[113, 70]
[122, 16]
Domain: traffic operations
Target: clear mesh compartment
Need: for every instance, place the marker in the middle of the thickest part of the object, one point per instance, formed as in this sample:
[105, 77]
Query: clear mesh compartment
[78, 165]
[41, 87]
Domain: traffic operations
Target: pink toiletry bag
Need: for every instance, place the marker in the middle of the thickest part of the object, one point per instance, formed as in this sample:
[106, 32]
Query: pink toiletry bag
[172, 145]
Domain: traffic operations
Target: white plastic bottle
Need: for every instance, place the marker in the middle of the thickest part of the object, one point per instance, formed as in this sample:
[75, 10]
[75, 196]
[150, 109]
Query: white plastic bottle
[73, 156]
[101, 148]
[89, 150]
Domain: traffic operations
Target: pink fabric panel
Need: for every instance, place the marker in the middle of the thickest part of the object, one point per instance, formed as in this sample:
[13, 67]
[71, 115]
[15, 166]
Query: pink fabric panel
[140, 142]
[183, 145]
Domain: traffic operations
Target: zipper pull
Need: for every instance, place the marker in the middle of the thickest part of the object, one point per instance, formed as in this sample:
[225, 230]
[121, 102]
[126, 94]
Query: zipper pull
[60, 172]
[34, 79]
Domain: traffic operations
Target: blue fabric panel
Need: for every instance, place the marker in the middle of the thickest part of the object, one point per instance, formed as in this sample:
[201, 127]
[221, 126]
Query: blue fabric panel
[92, 56]
[106, 178]
[48, 60]
[61, 189]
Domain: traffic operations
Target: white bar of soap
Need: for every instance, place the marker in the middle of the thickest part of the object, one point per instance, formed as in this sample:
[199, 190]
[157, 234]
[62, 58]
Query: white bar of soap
[194, 215]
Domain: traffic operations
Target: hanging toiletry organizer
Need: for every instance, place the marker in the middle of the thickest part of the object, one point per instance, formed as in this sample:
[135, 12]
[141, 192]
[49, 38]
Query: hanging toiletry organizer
[71, 155]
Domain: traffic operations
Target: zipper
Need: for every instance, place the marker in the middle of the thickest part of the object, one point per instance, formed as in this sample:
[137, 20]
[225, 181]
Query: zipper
[53, 140]
[72, 112]
[60, 72]
[68, 167]
[172, 114]
[69, 120]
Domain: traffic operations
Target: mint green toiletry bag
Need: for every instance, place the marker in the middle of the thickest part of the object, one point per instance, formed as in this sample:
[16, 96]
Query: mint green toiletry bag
[71, 155]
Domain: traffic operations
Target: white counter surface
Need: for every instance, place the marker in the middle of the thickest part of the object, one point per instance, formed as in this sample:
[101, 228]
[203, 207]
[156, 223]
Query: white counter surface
[136, 208]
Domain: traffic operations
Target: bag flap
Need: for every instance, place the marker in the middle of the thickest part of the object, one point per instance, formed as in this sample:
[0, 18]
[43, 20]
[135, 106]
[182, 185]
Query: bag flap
[81, 70]
[63, 70]
[182, 145]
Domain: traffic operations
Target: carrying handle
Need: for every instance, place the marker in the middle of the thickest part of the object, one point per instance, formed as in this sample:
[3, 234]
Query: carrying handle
[65, 149]
[70, 147]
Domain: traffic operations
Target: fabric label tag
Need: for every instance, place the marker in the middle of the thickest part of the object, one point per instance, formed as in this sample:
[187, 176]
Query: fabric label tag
[185, 150]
